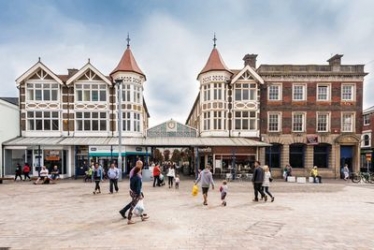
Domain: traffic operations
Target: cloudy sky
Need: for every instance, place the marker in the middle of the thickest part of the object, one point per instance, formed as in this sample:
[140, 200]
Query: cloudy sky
[171, 40]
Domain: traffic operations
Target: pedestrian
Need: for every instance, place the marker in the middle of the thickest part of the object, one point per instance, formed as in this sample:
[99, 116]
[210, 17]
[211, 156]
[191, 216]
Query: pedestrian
[18, 172]
[156, 175]
[26, 171]
[138, 164]
[266, 183]
[206, 179]
[135, 194]
[177, 180]
[43, 176]
[258, 179]
[224, 189]
[113, 175]
[314, 174]
[55, 174]
[287, 171]
[97, 176]
[171, 175]
[346, 172]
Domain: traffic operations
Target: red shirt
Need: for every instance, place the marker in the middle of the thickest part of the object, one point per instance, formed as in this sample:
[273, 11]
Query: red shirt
[156, 171]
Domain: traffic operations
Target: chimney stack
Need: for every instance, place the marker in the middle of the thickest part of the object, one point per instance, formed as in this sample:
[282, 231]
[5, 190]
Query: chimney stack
[335, 62]
[72, 72]
[250, 59]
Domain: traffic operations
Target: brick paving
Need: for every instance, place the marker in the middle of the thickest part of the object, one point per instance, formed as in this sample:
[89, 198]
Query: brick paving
[332, 215]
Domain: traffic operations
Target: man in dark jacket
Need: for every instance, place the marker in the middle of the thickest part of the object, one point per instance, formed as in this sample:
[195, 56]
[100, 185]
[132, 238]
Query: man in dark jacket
[258, 179]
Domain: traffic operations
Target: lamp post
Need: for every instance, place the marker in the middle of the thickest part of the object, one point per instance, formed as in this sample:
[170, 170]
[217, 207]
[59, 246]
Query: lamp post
[119, 118]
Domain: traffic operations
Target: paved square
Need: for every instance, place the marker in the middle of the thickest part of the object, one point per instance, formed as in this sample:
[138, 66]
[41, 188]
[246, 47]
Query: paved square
[332, 215]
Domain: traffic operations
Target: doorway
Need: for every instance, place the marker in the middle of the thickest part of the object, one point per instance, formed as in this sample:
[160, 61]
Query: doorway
[346, 157]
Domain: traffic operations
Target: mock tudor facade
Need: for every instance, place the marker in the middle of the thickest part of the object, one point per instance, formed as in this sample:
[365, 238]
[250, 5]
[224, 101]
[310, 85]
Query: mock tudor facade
[310, 114]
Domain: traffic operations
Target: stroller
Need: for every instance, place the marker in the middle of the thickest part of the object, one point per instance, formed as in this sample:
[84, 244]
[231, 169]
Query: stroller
[162, 179]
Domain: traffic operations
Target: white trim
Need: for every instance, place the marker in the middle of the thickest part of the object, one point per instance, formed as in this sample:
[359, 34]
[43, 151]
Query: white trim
[83, 70]
[280, 96]
[328, 85]
[32, 70]
[251, 71]
[304, 121]
[353, 93]
[305, 92]
[328, 122]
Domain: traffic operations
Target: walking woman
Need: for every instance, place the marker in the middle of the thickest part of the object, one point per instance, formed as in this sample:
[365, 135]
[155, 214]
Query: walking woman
[266, 183]
[97, 176]
[171, 175]
[135, 194]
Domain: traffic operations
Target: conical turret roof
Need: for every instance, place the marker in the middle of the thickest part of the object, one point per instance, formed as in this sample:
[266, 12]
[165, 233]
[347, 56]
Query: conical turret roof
[128, 63]
[214, 63]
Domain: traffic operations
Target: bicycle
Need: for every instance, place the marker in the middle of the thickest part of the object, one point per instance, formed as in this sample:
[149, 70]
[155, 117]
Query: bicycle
[363, 177]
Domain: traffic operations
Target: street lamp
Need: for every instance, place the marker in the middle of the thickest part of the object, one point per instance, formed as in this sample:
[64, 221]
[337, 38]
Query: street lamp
[119, 118]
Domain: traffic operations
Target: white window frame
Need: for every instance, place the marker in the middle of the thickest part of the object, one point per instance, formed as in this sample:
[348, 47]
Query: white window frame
[328, 94]
[217, 120]
[245, 120]
[206, 91]
[304, 92]
[328, 121]
[39, 118]
[137, 94]
[218, 91]
[84, 92]
[363, 140]
[92, 119]
[344, 93]
[126, 121]
[245, 92]
[42, 89]
[279, 92]
[346, 125]
[303, 119]
[366, 119]
[278, 122]
[126, 92]
[206, 117]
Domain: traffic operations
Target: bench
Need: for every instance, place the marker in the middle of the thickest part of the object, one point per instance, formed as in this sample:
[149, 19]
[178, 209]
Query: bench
[301, 180]
[291, 179]
[6, 179]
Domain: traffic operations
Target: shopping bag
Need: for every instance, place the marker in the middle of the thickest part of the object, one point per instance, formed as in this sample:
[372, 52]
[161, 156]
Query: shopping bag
[195, 190]
[139, 208]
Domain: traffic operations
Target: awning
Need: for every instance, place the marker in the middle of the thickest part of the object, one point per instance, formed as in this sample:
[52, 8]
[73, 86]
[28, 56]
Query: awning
[140, 141]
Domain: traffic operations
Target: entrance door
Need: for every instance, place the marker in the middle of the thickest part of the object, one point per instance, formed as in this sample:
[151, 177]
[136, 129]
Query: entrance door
[37, 164]
[346, 157]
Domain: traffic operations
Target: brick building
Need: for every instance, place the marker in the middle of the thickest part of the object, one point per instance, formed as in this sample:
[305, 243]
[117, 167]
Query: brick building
[367, 140]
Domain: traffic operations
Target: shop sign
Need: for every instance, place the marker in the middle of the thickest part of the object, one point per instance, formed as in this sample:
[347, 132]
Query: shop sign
[139, 149]
[204, 150]
[312, 139]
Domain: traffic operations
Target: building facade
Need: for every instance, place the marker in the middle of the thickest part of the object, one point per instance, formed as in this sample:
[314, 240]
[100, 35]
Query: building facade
[310, 114]
[367, 140]
[69, 120]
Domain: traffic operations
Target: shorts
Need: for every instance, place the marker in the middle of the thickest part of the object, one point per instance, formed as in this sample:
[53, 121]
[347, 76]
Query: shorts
[223, 195]
[205, 190]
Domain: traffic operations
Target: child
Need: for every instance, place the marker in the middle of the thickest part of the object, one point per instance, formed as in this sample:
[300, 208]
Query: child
[177, 182]
[223, 189]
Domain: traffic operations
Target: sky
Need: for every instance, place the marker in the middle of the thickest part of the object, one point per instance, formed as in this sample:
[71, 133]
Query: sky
[171, 40]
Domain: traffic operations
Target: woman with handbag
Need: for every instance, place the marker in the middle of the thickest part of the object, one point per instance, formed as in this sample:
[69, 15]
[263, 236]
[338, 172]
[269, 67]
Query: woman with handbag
[267, 180]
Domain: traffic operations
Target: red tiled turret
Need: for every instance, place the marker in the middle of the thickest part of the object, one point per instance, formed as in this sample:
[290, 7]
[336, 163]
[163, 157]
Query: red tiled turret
[127, 63]
[214, 63]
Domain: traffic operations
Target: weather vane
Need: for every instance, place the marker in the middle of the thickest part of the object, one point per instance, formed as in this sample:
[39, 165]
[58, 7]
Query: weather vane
[128, 40]
[214, 40]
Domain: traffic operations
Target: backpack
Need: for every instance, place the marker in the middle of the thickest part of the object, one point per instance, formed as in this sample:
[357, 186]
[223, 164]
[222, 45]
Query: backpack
[26, 169]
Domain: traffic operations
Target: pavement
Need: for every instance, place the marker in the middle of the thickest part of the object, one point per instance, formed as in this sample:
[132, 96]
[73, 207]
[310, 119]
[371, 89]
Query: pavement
[333, 215]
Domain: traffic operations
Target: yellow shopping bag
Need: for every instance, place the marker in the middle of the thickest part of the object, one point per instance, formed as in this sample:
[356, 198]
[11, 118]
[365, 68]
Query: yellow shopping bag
[195, 190]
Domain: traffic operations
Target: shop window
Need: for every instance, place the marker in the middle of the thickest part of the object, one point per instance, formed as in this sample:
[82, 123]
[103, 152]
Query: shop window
[321, 156]
[273, 156]
[297, 152]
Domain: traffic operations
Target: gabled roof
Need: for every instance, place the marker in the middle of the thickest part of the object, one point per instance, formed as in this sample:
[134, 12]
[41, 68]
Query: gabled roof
[214, 63]
[83, 70]
[33, 69]
[11, 100]
[128, 63]
[251, 72]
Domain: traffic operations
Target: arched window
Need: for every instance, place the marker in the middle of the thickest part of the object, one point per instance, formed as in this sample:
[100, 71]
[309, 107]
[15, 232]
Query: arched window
[321, 155]
[366, 140]
[273, 156]
[297, 152]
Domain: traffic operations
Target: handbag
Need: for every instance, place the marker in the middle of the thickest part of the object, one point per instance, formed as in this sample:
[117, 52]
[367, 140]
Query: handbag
[270, 179]
[139, 208]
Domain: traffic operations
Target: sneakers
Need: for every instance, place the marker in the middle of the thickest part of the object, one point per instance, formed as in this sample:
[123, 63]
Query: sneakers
[255, 200]
[266, 198]
[123, 214]
[145, 218]
[130, 222]
[224, 203]
[272, 199]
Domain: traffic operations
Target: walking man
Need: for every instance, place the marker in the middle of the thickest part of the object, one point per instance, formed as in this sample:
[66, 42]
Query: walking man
[258, 179]
[113, 175]
[206, 179]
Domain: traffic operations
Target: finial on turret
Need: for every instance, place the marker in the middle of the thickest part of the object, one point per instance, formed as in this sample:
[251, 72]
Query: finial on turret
[39, 59]
[214, 40]
[128, 40]
[89, 60]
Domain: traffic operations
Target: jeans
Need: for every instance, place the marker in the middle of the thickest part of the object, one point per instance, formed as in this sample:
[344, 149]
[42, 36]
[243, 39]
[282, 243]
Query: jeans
[258, 189]
[111, 183]
[156, 179]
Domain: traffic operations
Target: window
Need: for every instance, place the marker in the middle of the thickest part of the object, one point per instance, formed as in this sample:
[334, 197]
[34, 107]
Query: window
[273, 156]
[137, 122]
[274, 93]
[206, 120]
[323, 93]
[297, 155]
[347, 92]
[299, 92]
[274, 122]
[42, 91]
[217, 91]
[126, 121]
[126, 93]
[43, 120]
[137, 91]
[91, 121]
[90, 92]
[298, 122]
[366, 140]
[245, 120]
[366, 120]
[323, 121]
[245, 92]
[207, 93]
[217, 120]
[321, 156]
[347, 122]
